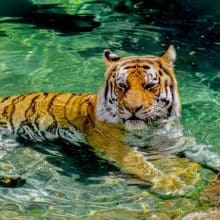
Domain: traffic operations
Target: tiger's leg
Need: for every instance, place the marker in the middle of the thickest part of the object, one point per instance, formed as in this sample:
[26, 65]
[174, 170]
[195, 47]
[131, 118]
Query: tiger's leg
[199, 153]
[125, 157]
[134, 162]
[203, 155]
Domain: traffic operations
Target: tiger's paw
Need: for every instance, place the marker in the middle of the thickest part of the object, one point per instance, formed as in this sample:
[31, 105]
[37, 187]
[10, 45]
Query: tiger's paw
[169, 186]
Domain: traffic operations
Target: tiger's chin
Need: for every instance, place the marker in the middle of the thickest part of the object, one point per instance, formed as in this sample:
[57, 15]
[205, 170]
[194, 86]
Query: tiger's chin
[135, 125]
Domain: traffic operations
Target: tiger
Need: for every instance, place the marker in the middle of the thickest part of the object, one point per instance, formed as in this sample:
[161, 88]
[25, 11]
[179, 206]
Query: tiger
[139, 93]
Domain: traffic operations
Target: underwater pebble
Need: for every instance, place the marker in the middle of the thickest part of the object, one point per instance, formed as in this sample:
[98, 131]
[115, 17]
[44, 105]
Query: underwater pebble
[7, 167]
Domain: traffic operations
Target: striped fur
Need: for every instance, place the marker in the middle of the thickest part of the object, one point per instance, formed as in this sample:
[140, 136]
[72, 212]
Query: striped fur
[43, 117]
[137, 91]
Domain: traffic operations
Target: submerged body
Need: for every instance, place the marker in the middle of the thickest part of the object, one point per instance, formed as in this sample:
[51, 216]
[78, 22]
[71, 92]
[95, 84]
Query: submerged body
[135, 108]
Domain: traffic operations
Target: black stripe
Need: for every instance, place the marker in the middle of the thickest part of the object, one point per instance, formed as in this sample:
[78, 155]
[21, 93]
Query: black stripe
[45, 94]
[33, 130]
[114, 69]
[39, 132]
[4, 99]
[167, 102]
[14, 102]
[5, 109]
[158, 85]
[169, 110]
[33, 135]
[3, 124]
[27, 121]
[129, 67]
[53, 127]
[65, 113]
[171, 107]
[50, 104]
[37, 117]
[110, 100]
[166, 85]
[158, 94]
[89, 118]
[106, 90]
[111, 89]
[49, 110]
[31, 106]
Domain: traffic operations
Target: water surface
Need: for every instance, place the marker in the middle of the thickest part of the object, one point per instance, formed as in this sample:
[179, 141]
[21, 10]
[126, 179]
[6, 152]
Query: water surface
[44, 55]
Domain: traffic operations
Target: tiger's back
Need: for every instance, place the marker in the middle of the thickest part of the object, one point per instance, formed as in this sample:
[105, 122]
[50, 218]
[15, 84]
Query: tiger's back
[45, 116]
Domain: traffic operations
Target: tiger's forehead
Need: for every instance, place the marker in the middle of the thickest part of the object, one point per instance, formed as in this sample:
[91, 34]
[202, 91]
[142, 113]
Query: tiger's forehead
[142, 65]
[140, 61]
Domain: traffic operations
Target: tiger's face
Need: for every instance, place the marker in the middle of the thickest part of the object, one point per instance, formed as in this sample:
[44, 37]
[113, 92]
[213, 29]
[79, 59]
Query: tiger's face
[138, 90]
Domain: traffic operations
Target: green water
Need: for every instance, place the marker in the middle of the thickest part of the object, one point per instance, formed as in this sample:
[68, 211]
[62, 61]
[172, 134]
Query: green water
[38, 57]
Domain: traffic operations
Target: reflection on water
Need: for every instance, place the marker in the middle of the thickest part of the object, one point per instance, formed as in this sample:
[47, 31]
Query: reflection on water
[36, 54]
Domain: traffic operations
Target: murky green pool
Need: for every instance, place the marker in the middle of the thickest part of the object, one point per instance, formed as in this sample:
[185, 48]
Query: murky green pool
[46, 55]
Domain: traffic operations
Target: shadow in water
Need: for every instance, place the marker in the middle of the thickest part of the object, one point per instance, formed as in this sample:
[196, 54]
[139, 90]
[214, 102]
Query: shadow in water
[52, 17]
[72, 159]
[67, 160]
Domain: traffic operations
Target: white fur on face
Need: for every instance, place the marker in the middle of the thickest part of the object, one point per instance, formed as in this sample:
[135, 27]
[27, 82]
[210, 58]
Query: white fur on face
[151, 76]
[107, 106]
[107, 109]
[122, 76]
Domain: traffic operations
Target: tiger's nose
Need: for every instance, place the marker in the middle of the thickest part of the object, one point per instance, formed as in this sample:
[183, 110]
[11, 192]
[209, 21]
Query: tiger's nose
[133, 109]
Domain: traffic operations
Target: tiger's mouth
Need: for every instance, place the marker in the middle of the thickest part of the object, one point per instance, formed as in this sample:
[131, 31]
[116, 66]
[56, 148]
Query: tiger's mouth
[134, 118]
[135, 123]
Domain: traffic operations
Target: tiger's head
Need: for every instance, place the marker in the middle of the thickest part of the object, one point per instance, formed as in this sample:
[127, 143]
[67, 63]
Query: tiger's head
[138, 90]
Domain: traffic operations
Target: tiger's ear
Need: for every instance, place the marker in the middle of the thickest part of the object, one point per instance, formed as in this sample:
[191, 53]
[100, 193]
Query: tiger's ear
[110, 57]
[170, 55]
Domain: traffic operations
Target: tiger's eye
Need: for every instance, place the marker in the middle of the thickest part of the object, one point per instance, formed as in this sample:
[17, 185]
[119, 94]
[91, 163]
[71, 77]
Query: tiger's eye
[122, 86]
[150, 86]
